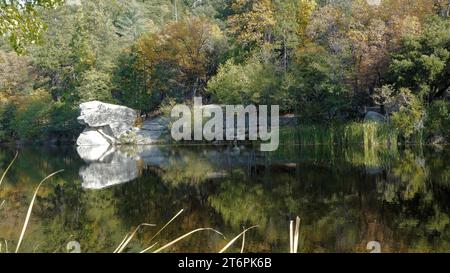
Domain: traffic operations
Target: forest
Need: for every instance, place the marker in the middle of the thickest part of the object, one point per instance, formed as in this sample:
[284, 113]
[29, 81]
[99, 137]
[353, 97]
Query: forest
[324, 61]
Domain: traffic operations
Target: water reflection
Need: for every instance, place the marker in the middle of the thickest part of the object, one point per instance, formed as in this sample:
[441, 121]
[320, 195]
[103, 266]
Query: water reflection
[106, 167]
[345, 197]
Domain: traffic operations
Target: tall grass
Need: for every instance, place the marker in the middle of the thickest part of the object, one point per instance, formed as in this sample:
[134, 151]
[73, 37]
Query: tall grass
[227, 246]
[2, 203]
[294, 235]
[9, 167]
[128, 238]
[184, 236]
[6, 247]
[355, 133]
[159, 231]
[30, 209]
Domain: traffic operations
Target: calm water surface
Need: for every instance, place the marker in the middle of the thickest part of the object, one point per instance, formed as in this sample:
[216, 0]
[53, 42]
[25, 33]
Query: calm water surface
[344, 197]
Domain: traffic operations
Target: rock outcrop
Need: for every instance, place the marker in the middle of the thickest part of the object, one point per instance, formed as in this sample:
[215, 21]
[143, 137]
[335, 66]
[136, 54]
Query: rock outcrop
[105, 122]
[150, 132]
[109, 124]
[92, 137]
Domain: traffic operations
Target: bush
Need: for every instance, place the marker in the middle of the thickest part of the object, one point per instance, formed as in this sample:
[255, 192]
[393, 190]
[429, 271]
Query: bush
[317, 87]
[36, 116]
[95, 85]
[7, 111]
[249, 83]
[409, 119]
[437, 122]
[62, 121]
[32, 114]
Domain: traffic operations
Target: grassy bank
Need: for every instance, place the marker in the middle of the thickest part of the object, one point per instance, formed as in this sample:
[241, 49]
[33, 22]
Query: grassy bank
[354, 133]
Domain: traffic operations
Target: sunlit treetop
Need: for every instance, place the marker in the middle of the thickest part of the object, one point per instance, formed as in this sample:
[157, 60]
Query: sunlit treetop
[19, 22]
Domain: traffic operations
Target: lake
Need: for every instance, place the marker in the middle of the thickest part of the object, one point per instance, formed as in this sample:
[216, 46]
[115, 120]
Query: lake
[345, 197]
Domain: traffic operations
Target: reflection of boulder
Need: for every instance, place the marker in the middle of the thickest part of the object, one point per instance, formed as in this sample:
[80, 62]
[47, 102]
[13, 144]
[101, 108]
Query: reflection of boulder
[103, 175]
[111, 165]
[107, 167]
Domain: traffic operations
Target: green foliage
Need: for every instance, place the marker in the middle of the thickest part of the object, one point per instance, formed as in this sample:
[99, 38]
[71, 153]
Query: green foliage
[320, 60]
[317, 86]
[131, 23]
[251, 22]
[20, 24]
[409, 119]
[7, 111]
[84, 40]
[32, 115]
[130, 86]
[437, 122]
[37, 117]
[175, 62]
[95, 85]
[249, 83]
[18, 75]
[423, 62]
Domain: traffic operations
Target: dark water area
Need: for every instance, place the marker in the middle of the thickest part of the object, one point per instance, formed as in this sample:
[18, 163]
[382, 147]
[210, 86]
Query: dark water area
[345, 197]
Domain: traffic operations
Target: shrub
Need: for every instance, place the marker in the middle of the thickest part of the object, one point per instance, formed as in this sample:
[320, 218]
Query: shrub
[250, 83]
[32, 114]
[409, 119]
[36, 116]
[437, 122]
[95, 85]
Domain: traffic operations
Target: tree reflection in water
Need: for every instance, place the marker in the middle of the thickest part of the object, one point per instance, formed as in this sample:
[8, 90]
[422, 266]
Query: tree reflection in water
[345, 197]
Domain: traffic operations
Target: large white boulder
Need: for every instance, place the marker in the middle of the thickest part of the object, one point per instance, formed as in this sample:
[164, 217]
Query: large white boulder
[92, 137]
[109, 124]
[118, 119]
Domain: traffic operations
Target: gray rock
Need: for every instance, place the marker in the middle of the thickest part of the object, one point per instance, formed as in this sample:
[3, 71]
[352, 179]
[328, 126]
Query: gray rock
[137, 136]
[144, 137]
[156, 124]
[374, 117]
[152, 130]
[289, 120]
[109, 124]
[117, 118]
